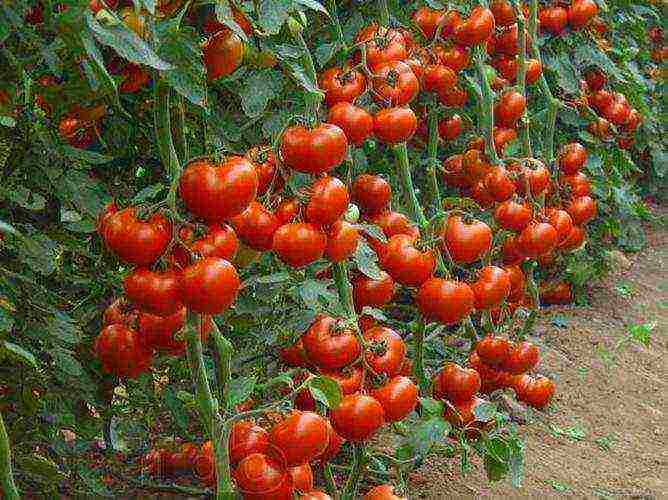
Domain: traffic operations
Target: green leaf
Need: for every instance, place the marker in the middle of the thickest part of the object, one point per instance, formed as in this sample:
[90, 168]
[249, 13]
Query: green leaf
[324, 52]
[7, 121]
[272, 14]
[313, 4]
[176, 407]
[26, 198]
[85, 156]
[148, 193]
[188, 75]
[19, 353]
[240, 390]
[485, 412]
[372, 230]
[258, 89]
[566, 77]
[40, 468]
[424, 434]
[61, 327]
[6, 318]
[225, 16]
[303, 79]
[367, 261]
[273, 278]
[326, 390]
[150, 6]
[66, 362]
[376, 314]
[39, 253]
[642, 333]
[126, 43]
[6, 228]
[431, 407]
[88, 195]
[311, 290]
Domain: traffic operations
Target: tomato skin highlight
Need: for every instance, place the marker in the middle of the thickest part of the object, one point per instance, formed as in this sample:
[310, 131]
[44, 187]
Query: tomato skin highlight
[302, 436]
[455, 383]
[358, 417]
[210, 285]
[314, 151]
[135, 241]
[398, 397]
[328, 347]
[299, 244]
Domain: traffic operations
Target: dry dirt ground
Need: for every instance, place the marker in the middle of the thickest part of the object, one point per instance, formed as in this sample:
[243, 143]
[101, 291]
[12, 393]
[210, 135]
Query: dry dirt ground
[605, 434]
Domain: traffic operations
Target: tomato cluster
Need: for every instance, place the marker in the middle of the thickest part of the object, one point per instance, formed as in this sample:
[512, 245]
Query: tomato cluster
[557, 17]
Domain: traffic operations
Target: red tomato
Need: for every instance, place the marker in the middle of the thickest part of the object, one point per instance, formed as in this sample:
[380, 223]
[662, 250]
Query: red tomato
[445, 301]
[210, 285]
[503, 11]
[450, 128]
[295, 355]
[517, 282]
[394, 223]
[572, 158]
[119, 312]
[537, 239]
[288, 210]
[522, 358]
[596, 79]
[157, 293]
[136, 241]
[506, 41]
[455, 97]
[395, 84]
[383, 45]
[260, 476]
[302, 436]
[342, 85]
[121, 352]
[216, 192]
[223, 54]
[264, 161]
[356, 122]
[463, 416]
[372, 193]
[358, 417]
[256, 226]
[342, 240]
[491, 288]
[477, 28]
[299, 244]
[157, 332]
[466, 241]
[302, 477]
[574, 240]
[512, 215]
[512, 253]
[581, 12]
[315, 495]
[455, 57]
[221, 241]
[582, 210]
[455, 383]
[405, 263]
[428, 20]
[536, 392]
[494, 351]
[553, 19]
[382, 492]
[510, 108]
[499, 184]
[372, 293]
[394, 125]
[333, 446]
[561, 221]
[387, 350]
[328, 202]
[246, 438]
[398, 397]
[314, 151]
[329, 347]
[578, 184]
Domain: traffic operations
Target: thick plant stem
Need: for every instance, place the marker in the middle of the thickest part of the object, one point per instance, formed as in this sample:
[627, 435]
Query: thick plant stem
[342, 280]
[383, 13]
[208, 410]
[535, 298]
[9, 488]
[224, 350]
[432, 150]
[521, 76]
[423, 381]
[552, 108]
[312, 99]
[359, 464]
[486, 107]
[401, 154]
[163, 135]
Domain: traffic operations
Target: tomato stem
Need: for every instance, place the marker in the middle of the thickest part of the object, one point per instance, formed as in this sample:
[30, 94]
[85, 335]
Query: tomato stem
[330, 483]
[6, 475]
[342, 280]
[418, 336]
[529, 268]
[401, 154]
[223, 348]
[383, 13]
[312, 99]
[163, 134]
[486, 107]
[521, 75]
[360, 459]
[432, 150]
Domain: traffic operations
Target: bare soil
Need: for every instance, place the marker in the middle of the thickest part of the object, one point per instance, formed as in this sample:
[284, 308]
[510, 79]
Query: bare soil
[604, 435]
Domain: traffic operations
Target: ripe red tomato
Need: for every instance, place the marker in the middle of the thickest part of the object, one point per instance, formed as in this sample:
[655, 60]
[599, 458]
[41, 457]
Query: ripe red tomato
[398, 397]
[223, 54]
[210, 285]
[217, 192]
[466, 240]
[356, 122]
[314, 151]
[503, 11]
[632, 122]
[256, 226]
[299, 244]
[517, 282]
[157, 293]
[499, 184]
[157, 332]
[405, 263]
[328, 346]
[493, 351]
[581, 12]
[439, 78]
[477, 28]
[578, 184]
[453, 168]
[561, 221]
[358, 417]
[509, 108]
[582, 210]
[395, 84]
[342, 240]
[462, 416]
[480, 193]
[221, 241]
[135, 78]
[302, 436]
[287, 210]
[342, 85]
[264, 161]
[618, 111]
[553, 19]
[537, 239]
[372, 293]
[512, 252]
[506, 41]
[428, 20]
[302, 477]
[349, 379]
[382, 492]
[394, 223]
[315, 495]
[491, 288]
[537, 177]
[246, 438]
[572, 158]
[475, 166]
[328, 202]
[294, 355]
[387, 352]
[455, 383]
[445, 301]
[383, 45]
[502, 137]
[136, 241]
[119, 312]
[455, 97]
[121, 352]
[455, 57]
[595, 78]
[513, 216]
[450, 128]
[574, 240]
[536, 392]
[522, 358]
[333, 446]
[394, 125]
[261, 476]
[372, 193]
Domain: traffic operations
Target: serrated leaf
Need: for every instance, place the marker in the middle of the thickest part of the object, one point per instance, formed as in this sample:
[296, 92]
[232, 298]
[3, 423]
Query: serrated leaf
[372, 230]
[367, 261]
[424, 434]
[303, 79]
[126, 43]
[566, 76]
[40, 468]
[311, 290]
[272, 14]
[258, 89]
[240, 390]
[26, 198]
[187, 75]
[273, 278]
[485, 412]
[148, 193]
[61, 327]
[431, 406]
[324, 52]
[326, 390]
[65, 361]
[225, 15]
[313, 4]
[39, 253]
[19, 353]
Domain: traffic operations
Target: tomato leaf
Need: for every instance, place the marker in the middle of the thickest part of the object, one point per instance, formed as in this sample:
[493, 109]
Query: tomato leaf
[324, 52]
[272, 14]
[313, 4]
[376, 314]
[431, 406]
[65, 361]
[26, 198]
[424, 434]
[240, 390]
[19, 353]
[225, 15]
[187, 74]
[312, 290]
[150, 6]
[367, 261]
[485, 412]
[325, 390]
[258, 89]
[126, 42]
[372, 230]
